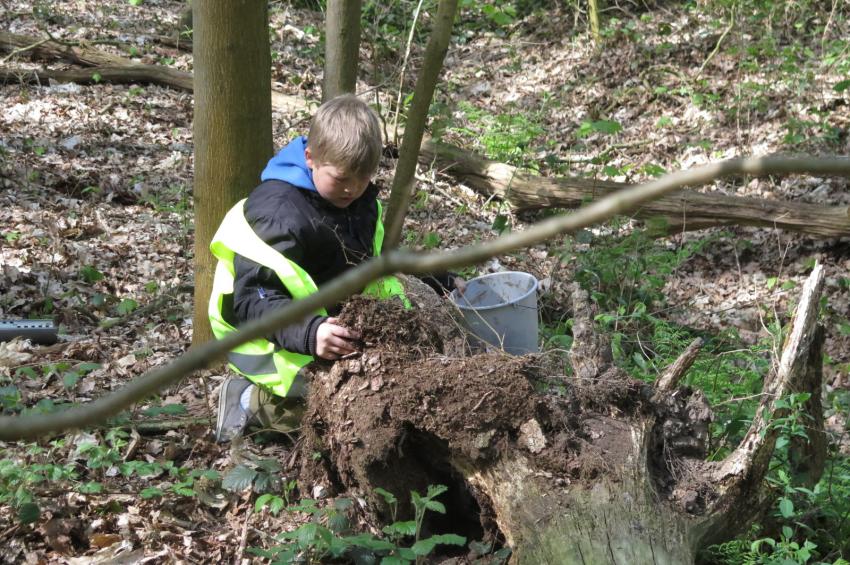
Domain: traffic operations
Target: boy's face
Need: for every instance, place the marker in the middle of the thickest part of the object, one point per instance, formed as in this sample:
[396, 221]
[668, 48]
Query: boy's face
[338, 187]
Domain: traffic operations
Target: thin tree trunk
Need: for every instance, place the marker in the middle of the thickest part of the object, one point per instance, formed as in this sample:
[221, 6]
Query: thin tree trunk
[342, 47]
[423, 92]
[232, 128]
[593, 16]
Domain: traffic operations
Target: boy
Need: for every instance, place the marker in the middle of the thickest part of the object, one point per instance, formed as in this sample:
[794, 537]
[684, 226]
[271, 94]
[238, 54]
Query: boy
[314, 216]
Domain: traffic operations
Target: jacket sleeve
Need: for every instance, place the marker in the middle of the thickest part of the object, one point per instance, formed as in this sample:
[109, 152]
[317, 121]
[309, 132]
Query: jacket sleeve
[257, 290]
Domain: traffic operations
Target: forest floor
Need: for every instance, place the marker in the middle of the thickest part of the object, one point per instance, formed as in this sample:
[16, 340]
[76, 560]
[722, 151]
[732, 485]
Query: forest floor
[96, 217]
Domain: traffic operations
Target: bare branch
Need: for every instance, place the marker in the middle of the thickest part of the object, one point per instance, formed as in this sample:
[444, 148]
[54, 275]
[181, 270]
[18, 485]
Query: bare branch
[24, 49]
[28, 427]
[674, 373]
[756, 447]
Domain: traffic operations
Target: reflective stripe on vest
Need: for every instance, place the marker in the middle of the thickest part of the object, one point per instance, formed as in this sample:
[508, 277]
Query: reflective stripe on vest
[258, 359]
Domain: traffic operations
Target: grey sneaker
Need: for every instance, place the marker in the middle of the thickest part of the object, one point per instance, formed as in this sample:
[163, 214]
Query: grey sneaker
[232, 419]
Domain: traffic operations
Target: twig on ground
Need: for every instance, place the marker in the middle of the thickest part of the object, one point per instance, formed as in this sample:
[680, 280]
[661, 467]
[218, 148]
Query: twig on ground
[243, 539]
[25, 49]
[719, 42]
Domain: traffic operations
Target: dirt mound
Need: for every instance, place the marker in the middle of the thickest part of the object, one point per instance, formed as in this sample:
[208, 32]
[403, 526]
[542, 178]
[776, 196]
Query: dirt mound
[402, 395]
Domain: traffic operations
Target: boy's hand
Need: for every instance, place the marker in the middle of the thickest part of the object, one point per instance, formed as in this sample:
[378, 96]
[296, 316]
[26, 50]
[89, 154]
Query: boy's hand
[333, 341]
[459, 284]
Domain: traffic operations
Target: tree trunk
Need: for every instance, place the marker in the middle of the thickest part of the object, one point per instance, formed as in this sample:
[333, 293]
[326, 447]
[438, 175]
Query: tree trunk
[232, 128]
[423, 92]
[342, 48]
[593, 16]
[683, 210]
[599, 469]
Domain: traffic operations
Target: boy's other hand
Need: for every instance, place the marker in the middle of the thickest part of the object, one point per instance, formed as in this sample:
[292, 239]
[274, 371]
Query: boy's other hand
[459, 284]
[333, 341]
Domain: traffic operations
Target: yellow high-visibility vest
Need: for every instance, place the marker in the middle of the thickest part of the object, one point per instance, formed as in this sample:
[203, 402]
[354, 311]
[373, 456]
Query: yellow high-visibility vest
[259, 359]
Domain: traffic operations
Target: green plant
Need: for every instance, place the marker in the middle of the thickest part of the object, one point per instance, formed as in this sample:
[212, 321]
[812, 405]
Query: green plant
[264, 476]
[507, 137]
[90, 274]
[326, 536]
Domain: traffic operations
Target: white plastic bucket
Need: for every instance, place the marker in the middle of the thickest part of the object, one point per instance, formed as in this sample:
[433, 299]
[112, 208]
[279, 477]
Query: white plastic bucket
[501, 309]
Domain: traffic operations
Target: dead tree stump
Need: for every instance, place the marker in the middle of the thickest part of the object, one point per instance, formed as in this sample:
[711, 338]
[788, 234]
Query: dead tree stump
[594, 467]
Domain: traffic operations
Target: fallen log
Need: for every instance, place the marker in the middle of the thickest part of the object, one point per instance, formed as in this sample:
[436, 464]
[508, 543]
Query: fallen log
[130, 74]
[107, 67]
[684, 210]
[590, 468]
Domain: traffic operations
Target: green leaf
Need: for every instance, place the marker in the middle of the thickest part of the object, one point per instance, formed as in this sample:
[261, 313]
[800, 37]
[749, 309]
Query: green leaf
[269, 465]
[654, 170]
[388, 497]
[96, 77]
[338, 523]
[393, 560]
[135, 2]
[435, 506]
[436, 490]
[786, 507]
[270, 500]
[238, 479]
[306, 533]
[150, 492]
[126, 306]
[90, 488]
[841, 86]
[608, 127]
[27, 372]
[401, 528]
[367, 541]
[28, 513]
[787, 532]
[431, 240]
[771, 282]
[69, 379]
[90, 274]
[426, 546]
[500, 224]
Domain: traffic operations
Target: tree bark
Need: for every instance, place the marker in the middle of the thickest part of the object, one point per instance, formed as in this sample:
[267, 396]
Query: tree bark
[423, 92]
[603, 469]
[684, 210]
[342, 48]
[232, 126]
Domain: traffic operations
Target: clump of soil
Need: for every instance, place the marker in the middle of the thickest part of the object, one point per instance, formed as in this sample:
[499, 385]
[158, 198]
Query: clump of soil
[385, 324]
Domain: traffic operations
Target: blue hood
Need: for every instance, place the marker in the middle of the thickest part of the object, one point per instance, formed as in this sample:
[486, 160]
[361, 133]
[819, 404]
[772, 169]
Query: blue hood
[289, 165]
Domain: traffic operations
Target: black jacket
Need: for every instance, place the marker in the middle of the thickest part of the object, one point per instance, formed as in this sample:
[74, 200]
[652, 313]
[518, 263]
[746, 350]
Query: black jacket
[322, 239]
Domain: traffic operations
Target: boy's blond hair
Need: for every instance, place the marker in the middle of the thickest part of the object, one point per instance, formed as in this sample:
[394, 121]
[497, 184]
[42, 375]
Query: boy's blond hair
[345, 133]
